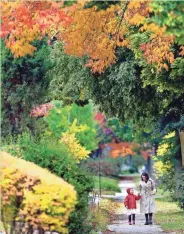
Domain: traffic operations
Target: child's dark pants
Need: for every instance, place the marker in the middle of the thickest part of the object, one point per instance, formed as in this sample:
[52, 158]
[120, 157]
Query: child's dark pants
[130, 219]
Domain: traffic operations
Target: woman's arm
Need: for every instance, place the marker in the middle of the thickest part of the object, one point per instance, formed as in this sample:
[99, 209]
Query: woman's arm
[154, 190]
[140, 188]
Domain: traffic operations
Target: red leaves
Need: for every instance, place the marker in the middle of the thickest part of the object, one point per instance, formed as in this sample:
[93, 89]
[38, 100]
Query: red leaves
[3, 33]
[100, 118]
[41, 110]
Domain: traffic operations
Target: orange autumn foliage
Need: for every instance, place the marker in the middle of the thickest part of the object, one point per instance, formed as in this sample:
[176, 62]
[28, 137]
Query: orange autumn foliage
[158, 50]
[121, 149]
[86, 31]
[93, 33]
[26, 21]
[124, 149]
[97, 33]
[181, 50]
[146, 153]
[137, 12]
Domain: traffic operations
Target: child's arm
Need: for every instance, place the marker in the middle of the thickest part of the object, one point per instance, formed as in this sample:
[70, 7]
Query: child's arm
[126, 201]
[137, 197]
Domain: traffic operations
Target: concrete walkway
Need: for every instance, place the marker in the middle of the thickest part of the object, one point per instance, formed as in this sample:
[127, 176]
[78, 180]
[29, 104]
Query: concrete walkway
[120, 224]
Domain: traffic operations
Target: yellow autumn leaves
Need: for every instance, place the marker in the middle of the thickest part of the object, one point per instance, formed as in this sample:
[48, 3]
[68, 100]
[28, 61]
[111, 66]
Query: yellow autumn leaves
[22, 45]
[69, 138]
[34, 196]
[78, 151]
[162, 167]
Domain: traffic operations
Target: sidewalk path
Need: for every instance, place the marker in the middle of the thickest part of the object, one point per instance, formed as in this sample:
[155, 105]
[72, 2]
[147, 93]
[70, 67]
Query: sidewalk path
[120, 224]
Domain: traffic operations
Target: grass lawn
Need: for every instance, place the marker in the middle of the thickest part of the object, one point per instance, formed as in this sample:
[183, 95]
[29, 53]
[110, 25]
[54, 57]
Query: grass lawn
[107, 184]
[169, 216]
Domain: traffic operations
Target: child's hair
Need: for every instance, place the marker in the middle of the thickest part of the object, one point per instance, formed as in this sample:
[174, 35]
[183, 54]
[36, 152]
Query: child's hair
[146, 175]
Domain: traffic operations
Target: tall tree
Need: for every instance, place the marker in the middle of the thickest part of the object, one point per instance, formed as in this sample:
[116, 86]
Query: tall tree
[70, 79]
[24, 85]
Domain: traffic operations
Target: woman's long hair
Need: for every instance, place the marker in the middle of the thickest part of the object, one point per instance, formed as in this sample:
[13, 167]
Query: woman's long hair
[146, 175]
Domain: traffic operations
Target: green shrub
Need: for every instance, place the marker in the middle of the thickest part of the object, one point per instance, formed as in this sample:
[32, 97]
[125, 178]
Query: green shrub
[133, 170]
[74, 119]
[103, 214]
[24, 85]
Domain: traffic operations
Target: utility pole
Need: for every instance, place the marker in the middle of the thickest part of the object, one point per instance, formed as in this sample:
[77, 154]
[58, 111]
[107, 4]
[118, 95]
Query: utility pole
[99, 168]
[99, 173]
[181, 133]
[149, 164]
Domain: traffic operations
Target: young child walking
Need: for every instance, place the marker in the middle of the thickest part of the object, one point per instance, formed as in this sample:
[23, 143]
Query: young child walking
[130, 204]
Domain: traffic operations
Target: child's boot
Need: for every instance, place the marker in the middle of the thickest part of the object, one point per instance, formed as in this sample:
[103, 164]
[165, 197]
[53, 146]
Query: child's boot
[146, 216]
[129, 220]
[150, 218]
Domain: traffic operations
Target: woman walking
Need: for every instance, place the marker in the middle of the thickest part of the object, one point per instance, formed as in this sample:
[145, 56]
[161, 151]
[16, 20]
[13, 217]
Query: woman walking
[147, 191]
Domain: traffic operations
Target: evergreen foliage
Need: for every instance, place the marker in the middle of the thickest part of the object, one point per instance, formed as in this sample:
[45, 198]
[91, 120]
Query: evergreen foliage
[24, 85]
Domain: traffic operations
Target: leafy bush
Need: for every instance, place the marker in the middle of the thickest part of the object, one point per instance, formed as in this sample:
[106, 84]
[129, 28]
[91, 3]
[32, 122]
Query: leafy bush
[99, 219]
[74, 119]
[103, 214]
[78, 151]
[48, 153]
[83, 183]
[33, 198]
[133, 170]
[168, 169]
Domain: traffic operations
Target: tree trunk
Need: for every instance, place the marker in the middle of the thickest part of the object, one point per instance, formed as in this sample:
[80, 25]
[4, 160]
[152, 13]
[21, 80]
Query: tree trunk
[149, 166]
[41, 231]
[182, 146]
[178, 169]
[130, 160]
